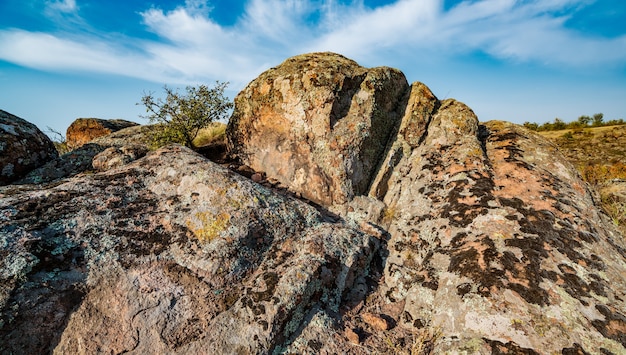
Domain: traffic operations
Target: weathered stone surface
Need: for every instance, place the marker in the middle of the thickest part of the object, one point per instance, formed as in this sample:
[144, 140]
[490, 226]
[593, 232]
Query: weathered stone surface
[23, 147]
[496, 243]
[114, 157]
[126, 145]
[475, 238]
[168, 254]
[318, 123]
[84, 130]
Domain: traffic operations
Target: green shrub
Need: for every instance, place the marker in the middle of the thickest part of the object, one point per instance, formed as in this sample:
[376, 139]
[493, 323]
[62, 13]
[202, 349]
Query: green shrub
[179, 117]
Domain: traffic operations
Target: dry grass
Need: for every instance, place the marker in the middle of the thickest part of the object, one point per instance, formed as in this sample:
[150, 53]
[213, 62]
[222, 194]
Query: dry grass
[215, 133]
[599, 154]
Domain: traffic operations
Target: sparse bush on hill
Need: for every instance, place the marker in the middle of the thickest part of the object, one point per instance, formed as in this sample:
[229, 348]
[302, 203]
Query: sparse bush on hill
[584, 121]
[58, 139]
[180, 117]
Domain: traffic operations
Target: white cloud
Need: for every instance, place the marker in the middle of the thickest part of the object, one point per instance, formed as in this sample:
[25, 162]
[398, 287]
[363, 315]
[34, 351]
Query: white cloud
[66, 6]
[194, 47]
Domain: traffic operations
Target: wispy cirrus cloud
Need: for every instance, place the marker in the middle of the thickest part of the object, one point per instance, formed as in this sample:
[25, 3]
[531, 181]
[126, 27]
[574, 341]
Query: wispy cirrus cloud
[193, 46]
[66, 6]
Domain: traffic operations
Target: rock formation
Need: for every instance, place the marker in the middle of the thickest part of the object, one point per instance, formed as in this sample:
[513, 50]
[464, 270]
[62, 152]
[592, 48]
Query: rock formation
[23, 147]
[318, 123]
[123, 147]
[465, 237]
[84, 130]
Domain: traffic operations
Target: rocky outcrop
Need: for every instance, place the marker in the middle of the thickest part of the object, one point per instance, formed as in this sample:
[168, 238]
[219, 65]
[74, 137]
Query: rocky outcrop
[476, 238]
[102, 153]
[318, 123]
[23, 147]
[84, 130]
[169, 254]
[496, 244]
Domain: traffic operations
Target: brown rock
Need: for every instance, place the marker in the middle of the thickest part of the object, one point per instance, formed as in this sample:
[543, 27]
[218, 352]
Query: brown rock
[84, 130]
[23, 147]
[318, 123]
[256, 177]
[352, 336]
[375, 321]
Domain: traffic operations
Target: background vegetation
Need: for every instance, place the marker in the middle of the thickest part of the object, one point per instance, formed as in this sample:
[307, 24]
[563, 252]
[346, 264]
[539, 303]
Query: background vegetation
[597, 120]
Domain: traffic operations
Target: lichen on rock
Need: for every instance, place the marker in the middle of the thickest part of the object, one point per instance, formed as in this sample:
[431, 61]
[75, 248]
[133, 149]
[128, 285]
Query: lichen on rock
[422, 230]
[23, 147]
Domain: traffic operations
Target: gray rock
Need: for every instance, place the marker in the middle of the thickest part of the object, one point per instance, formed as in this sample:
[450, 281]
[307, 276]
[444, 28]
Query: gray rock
[23, 147]
[171, 254]
[474, 238]
[131, 143]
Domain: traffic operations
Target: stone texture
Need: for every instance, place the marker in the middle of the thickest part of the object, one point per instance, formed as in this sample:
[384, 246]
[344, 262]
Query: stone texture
[124, 146]
[168, 254]
[474, 238]
[84, 130]
[114, 157]
[23, 147]
[496, 243]
[318, 123]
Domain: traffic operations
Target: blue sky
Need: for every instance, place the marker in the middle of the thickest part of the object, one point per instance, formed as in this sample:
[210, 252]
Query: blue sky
[515, 60]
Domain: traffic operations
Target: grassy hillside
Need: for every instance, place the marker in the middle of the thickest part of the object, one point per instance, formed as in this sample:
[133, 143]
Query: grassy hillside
[600, 155]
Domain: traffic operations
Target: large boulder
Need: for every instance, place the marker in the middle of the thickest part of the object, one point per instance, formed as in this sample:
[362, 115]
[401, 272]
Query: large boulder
[318, 123]
[84, 130]
[496, 245]
[23, 147]
[169, 254]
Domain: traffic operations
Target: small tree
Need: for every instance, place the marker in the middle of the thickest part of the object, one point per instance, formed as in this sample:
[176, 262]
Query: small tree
[598, 119]
[559, 124]
[179, 117]
[584, 120]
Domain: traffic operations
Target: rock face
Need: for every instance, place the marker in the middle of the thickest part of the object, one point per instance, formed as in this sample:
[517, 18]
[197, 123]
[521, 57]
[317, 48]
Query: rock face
[84, 130]
[475, 238]
[169, 254]
[102, 153]
[23, 147]
[318, 123]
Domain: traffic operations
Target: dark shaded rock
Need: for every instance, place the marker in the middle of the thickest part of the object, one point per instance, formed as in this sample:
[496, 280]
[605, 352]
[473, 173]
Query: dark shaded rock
[23, 147]
[84, 130]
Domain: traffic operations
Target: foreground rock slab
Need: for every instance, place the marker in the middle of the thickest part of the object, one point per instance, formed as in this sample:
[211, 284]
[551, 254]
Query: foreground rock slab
[23, 147]
[169, 254]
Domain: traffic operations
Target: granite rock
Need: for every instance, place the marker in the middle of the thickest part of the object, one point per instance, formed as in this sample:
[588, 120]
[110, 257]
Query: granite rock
[23, 147]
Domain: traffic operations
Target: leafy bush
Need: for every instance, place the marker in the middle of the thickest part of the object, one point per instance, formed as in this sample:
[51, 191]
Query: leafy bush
[179, 117]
